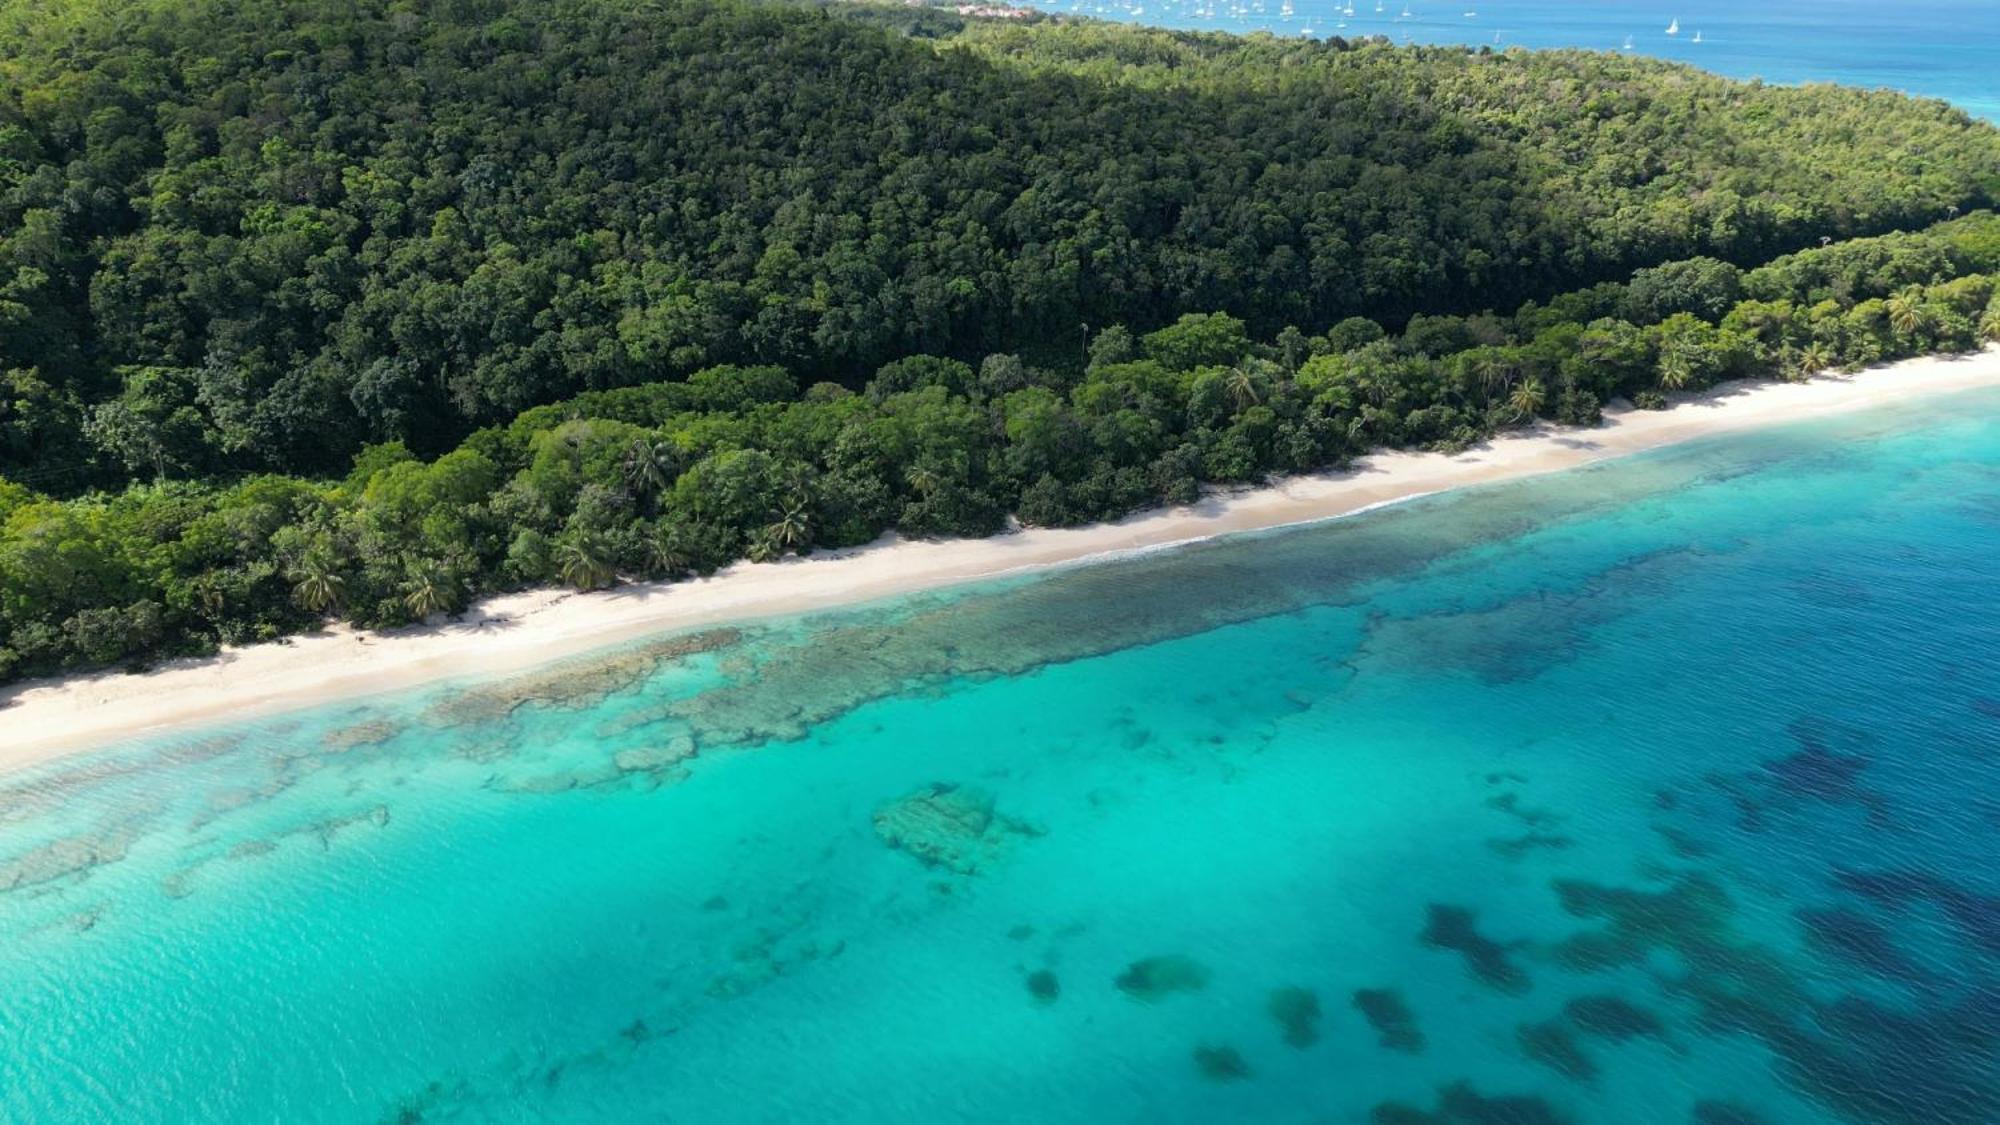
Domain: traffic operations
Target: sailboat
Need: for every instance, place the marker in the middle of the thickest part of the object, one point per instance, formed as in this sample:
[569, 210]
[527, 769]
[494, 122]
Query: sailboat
[1674, 28]
[1628, 42]
[1697, 36]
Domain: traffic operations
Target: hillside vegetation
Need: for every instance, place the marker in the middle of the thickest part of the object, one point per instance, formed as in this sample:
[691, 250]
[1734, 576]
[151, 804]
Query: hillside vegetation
[363, 308]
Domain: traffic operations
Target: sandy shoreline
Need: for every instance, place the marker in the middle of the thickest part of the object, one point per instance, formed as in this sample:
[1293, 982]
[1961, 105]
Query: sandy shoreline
[47, 718]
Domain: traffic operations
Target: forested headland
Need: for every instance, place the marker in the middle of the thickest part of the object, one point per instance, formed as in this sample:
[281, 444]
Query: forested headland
[365, 308]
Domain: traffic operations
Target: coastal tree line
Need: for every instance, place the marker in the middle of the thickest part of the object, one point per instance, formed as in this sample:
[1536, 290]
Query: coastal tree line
[672, 478]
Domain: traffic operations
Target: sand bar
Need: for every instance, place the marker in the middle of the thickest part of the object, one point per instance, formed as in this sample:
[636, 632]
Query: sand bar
[43, 719]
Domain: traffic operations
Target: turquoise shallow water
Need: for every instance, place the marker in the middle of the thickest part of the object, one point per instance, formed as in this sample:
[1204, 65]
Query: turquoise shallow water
[1661, 791]
[1933, 48]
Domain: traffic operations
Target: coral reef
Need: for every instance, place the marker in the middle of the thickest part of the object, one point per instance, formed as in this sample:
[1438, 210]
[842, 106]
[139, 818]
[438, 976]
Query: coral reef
[1297, 1012]
[1395, 1025]
[1153, 978]
[949, 826]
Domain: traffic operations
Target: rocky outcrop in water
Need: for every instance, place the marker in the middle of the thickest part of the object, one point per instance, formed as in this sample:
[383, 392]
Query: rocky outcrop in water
[949, 826]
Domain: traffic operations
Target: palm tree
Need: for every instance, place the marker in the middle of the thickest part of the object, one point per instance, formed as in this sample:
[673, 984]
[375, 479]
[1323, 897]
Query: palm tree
[923, 478]
[1528, 398]
[1813, 359]
[667, 553]
[319, 587]
[790, 531]
[650, 465]
[1676, 373]
[1495, 375]
[1243, 388]
[585, 561]
[1906, 310]
[426, 592]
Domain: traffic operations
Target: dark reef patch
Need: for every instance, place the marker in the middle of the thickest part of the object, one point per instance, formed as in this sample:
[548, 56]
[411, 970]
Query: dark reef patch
[1976, 915]
[1613, 1018]
[1551, 1045]
[1860, 1059]
[1221, 1064]
[1395, 1025]
[1043, 986]
[1682, 844]
[1460, 1104]
[1452, 927]
[1514, 847]
[1297, 1012]
[1153, 978]
[1857, 939]
[1708, 1112]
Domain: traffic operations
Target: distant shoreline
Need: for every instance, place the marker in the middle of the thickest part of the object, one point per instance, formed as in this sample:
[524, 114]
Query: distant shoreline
[46, 719]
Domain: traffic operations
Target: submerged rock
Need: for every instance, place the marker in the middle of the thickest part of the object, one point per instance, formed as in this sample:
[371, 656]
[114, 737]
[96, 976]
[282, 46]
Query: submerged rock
[58, 859]
[1152, 978]
[374, 732]
[949, 826]
[1043, 986]
[650, 759]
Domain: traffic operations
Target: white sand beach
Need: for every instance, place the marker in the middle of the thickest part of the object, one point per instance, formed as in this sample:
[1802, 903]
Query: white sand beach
[47, 718]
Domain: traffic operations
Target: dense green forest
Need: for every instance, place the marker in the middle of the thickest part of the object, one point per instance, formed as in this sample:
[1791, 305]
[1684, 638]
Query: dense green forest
[367, 307]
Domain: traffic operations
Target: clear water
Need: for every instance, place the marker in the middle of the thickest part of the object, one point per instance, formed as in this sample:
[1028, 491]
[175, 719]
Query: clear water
[1934, 48]
[1659, 791]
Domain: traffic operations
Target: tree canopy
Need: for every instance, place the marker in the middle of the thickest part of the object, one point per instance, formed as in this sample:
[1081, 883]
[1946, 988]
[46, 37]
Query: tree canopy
[256, 235]
[361, 308]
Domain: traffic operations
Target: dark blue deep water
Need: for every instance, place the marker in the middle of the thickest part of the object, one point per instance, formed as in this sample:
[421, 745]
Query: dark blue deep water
[1933, 48]
[1660, 791]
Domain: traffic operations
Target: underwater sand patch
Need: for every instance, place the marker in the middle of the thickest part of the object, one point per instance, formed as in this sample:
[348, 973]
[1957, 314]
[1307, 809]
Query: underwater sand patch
[948, 825]
[1155, 978]
[1394, 1024]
